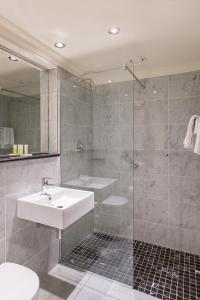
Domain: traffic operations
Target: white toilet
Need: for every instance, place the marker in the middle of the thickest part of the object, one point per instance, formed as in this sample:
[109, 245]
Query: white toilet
[18, 282]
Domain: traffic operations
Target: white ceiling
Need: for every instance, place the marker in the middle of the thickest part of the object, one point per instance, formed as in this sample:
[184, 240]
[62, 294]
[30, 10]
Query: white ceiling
[18, 76]
[166, 32]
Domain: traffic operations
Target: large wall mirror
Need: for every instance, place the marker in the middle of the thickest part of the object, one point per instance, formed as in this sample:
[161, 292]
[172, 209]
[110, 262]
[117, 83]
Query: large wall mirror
[23, 107]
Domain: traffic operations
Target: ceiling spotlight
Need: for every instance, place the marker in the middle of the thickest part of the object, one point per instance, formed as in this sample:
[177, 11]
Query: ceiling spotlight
[109, 81]
[13, 58]
[114, 30]
[59, 45]
[74, 86]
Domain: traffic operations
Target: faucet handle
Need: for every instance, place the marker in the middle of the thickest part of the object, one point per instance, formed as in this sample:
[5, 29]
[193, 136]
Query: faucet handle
[45, 180]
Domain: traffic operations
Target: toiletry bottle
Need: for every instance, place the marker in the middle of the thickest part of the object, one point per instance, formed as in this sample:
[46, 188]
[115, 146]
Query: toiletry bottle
[20, 149]
[15, 149]
[25, 149]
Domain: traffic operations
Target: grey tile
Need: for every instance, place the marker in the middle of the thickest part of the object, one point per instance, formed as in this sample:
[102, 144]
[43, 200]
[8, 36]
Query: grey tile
[151, 162]
[176, 136]
[153, 187]
[180, 110]
[151, 210]
[126, 114]
[184, 163]
[184, 239]
[153, 137]
[184, 85]
[155, 88]
[106, 115]
[155, 233]
[126, 138]
[184, 190]
[2, 250]
[184, 215]
[106, 137]
[150, 112]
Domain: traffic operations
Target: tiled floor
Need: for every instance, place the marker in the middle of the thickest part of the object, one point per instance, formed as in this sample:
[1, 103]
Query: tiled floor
[64, 283]
[106, 255]
[166, 273]
[162, 272]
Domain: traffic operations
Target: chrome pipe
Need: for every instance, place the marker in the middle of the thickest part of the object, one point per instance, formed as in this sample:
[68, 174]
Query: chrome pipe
[134, 76]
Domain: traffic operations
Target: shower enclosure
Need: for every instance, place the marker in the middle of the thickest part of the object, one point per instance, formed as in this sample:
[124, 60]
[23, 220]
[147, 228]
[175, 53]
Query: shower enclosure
[97, 155]
[124, 141]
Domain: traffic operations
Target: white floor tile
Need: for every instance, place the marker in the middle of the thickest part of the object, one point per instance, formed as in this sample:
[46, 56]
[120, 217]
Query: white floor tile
[69, 275]
[89, 294]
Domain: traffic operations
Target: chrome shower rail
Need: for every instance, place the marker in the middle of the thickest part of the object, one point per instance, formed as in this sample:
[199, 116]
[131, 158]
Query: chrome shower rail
[125, 67]
[134, 76]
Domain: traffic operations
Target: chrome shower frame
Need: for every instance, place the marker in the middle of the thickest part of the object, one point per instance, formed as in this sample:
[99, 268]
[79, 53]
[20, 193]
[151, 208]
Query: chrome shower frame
[125, 68]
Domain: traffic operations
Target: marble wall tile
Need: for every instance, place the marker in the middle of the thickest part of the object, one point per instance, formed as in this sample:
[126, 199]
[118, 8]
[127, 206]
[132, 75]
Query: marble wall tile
[126, 114]
[107, 93]
[151, 162]
[184, 215]
[151, 210]
[2, 202]
[184, 163]
[180, 196]
[106, 115]
[153, 137]
[126, 138]
[184, 239]
[155, 88]
[150, 232]
[184, 85]
[126, 91]
[74, 234]
[176, 136]
[2, 250]
[150, 112]
[106, 137]
[184, 190]
[22, 239]
[153, 187]
[181, 109]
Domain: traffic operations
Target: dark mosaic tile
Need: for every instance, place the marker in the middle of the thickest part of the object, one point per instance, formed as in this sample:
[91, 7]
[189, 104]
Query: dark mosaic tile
[161, 272]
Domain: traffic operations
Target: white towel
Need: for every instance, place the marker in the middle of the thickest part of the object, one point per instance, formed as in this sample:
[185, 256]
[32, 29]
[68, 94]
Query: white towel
[197, 142]
[196, 125]
[189, 138]
[6, 137]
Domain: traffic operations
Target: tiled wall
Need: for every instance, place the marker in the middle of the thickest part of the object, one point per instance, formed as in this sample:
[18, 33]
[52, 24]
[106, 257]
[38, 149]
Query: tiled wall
[113, 135]
[24, 114]
[167, 182]
[4, 118]
[21, 241]
[76, 116]
[76, 109]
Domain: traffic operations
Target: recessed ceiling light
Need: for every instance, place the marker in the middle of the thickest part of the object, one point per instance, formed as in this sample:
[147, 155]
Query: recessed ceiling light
[109, 81]
[59, 45]
[74, 86]
[13, 58]
[114, 30]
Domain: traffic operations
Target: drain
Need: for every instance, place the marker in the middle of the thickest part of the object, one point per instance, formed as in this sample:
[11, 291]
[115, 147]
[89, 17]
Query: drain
[101, 251]
[59, 206]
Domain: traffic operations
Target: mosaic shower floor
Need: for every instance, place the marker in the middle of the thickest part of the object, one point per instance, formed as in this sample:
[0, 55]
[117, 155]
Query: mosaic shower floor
[161, 272]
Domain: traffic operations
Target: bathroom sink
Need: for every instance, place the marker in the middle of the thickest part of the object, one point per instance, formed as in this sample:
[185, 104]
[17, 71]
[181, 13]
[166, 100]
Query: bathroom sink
[59, 209]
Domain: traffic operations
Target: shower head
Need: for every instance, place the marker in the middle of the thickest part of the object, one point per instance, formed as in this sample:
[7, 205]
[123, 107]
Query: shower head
[137, 60]
[91, 82]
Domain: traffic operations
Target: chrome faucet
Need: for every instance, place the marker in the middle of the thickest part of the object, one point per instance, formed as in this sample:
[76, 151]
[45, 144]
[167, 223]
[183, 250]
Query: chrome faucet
[45, 185]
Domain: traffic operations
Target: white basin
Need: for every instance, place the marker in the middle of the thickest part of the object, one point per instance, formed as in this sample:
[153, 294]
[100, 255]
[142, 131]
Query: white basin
[65, 207]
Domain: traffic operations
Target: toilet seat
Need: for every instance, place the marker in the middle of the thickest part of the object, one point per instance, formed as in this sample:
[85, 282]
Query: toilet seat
[18, 282]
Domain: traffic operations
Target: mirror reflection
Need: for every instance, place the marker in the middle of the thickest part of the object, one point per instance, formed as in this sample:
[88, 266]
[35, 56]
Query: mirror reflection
[20, 107]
